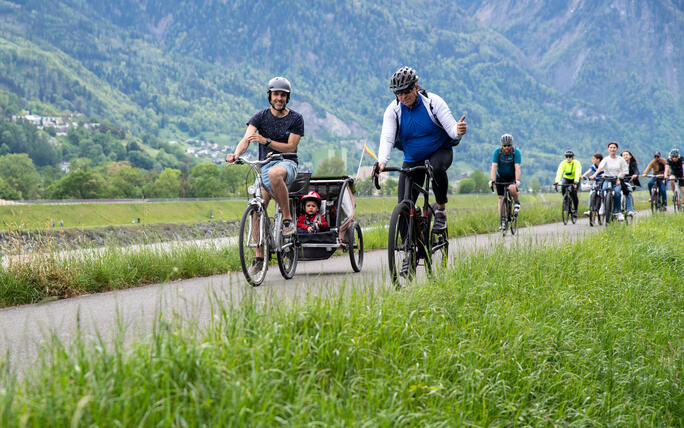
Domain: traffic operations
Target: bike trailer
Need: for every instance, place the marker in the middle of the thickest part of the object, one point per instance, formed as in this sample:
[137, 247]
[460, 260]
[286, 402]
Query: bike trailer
[337, 206]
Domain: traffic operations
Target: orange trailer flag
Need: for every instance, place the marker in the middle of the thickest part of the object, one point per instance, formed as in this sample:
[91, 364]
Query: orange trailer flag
[369, 151]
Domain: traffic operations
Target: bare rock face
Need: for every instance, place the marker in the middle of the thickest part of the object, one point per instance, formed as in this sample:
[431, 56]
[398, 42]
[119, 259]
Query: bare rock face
[329, 122]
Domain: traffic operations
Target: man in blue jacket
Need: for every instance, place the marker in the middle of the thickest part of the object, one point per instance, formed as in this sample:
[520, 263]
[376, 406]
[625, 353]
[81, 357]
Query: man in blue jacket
[421, 124]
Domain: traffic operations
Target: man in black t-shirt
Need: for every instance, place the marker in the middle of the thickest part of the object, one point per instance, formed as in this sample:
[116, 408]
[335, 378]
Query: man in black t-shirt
[276, 129]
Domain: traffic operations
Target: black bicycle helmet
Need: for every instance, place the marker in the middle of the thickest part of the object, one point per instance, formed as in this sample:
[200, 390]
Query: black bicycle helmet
[674, 152]
[506, 139]
[569, 154]
[279, 84]
[403, 78]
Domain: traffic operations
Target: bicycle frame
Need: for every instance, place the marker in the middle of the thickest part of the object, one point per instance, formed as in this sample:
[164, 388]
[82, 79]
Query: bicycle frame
[257, 200]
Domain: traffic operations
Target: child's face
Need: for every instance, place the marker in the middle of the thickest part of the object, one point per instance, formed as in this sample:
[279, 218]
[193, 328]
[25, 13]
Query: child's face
[595, 160]
[310, 207]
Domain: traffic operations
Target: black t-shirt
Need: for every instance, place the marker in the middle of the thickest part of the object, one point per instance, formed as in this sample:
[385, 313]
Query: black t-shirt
[675, 167]
[276, 128]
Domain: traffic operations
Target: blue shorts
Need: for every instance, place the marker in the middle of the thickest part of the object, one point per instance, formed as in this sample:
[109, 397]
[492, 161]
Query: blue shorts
[289, 166]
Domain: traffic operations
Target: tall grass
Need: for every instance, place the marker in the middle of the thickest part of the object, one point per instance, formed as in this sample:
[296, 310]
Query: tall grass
[581, 334]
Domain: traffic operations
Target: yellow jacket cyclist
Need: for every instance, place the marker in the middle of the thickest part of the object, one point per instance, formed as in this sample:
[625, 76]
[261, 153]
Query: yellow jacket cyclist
[569, 171]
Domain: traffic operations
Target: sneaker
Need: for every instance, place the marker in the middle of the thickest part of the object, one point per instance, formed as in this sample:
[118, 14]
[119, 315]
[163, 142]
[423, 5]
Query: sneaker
[601, 210]
[574, 214]
[440, 220]
[256, 266]
[516, 207]
[288, 228]
[620, 217]
[586, 213]
[502, 225]
[631, 213]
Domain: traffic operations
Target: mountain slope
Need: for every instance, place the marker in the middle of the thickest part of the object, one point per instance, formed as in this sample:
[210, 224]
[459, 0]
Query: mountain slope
[176, 68]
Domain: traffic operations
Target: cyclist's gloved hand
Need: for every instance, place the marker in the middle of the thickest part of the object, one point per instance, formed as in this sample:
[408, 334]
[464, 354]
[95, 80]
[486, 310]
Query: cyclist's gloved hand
[517, 183]
[491, 184]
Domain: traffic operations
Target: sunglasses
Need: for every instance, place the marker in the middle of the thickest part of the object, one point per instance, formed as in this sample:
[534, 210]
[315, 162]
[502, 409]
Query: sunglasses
[404, 91]
[507, 145]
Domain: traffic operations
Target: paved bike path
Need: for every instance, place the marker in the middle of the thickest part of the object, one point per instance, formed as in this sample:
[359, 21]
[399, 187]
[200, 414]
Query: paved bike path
[22, 328]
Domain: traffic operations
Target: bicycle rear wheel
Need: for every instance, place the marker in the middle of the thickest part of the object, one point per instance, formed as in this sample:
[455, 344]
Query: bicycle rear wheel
[401, 251]
[513, 224]
[565, 213]
[675, 200]
[253, 234]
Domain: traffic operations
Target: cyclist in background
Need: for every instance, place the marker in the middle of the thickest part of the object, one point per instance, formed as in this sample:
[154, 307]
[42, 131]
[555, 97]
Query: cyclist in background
[673, 170]
[614, 166]
[506, 168]
[632, 178]
[658, 166]
[595, 161]
[420, 124]
[569, 171]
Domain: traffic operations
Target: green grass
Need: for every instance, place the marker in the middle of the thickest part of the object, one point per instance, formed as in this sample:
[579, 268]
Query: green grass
[582, 334]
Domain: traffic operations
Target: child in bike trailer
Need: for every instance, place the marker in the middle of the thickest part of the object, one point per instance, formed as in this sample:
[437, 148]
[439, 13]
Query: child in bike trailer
[311, 221]
[595, 161]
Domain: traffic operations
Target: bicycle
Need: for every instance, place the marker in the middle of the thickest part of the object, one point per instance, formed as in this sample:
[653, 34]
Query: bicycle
[509, 219]
[656, 197]
[627, 182]
[609, 198]
[411, 236]
[567, 212]
[595, 201]
[257, 230]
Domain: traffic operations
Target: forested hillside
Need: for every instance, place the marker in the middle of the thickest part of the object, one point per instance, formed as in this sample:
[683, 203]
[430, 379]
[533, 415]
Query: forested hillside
[554, 75]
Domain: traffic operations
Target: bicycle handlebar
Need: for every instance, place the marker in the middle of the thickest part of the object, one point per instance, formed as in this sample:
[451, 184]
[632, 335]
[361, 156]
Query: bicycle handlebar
[272, 158]
[376, 173]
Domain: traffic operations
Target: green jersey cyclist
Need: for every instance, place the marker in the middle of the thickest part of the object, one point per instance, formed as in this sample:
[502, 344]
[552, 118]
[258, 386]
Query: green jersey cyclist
[506, 168]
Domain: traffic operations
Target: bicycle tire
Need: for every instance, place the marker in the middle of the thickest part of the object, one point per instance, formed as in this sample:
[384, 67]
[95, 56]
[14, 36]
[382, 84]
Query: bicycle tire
[247, 244]
[656, 201]
[513, 224]
[287, 256]
[565, 210]
[675, 200]
[505, 211]
[401, 254]
[608, 208]
[356, 248]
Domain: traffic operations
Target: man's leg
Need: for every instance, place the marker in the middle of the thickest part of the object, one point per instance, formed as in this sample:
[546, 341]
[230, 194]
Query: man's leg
[663, 191]
[277, 175]
[441, 161]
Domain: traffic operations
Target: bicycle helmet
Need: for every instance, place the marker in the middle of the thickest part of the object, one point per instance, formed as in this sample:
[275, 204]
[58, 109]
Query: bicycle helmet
[657, 154]
[674, 152]
[506, 140]
[312, 196]
[279, 84]
[402, 79]
[569, 154]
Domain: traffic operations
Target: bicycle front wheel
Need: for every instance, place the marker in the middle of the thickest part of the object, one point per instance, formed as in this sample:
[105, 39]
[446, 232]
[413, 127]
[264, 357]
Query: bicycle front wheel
[401, 248]
[513, 224]
[565, 213]
[505, 215]
[253, 237]
[608, 209]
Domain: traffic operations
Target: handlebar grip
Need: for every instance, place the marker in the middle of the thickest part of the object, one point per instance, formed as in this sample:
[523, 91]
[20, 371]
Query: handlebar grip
[376, 176]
